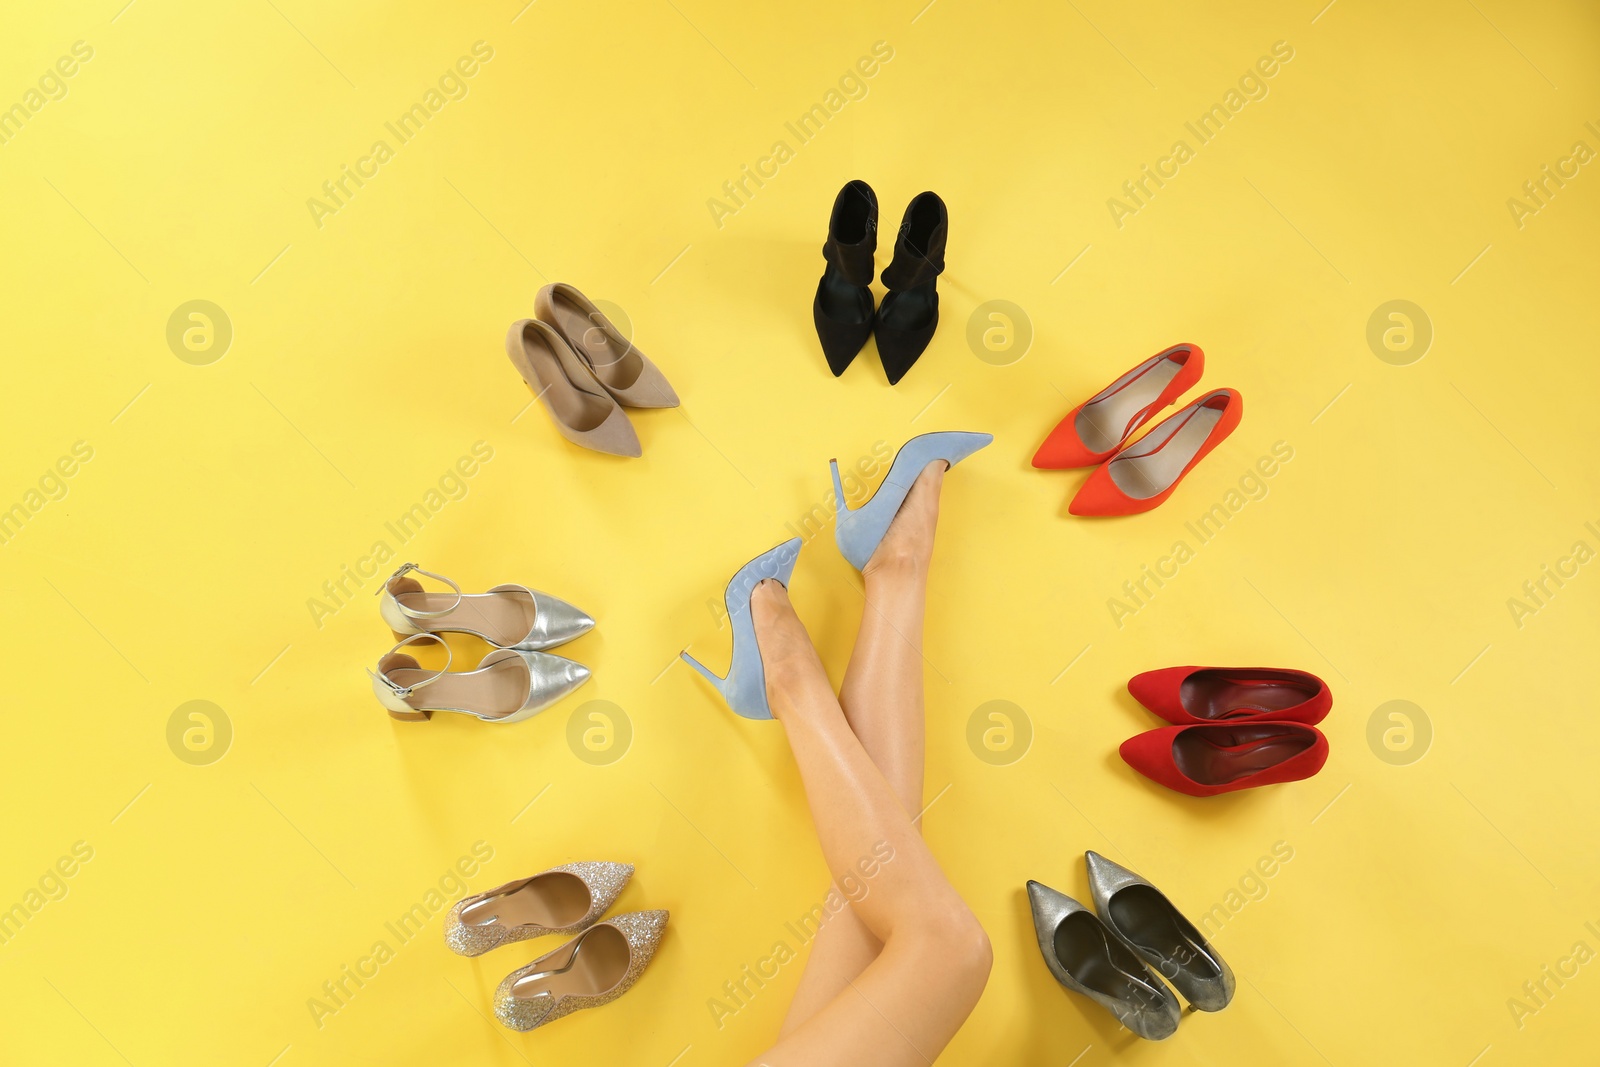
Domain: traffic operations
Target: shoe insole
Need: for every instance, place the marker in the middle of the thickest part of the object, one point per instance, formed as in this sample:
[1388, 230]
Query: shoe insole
[556, 899]
[591, 964]
[1150, 467]
[542, 370]
[501, 618]
[1216, 695]
[1216, 758]
[1103, 421]
[615, 361]
[1098, 960]
[491, 692]
[1148, 919]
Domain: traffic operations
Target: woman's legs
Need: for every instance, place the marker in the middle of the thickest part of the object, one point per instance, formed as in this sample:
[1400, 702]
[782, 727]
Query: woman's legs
[909, 1001]
[883, 704]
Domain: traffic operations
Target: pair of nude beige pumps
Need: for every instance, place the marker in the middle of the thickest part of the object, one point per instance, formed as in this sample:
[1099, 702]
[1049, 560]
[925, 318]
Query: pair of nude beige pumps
[594, 968]
[584, 370]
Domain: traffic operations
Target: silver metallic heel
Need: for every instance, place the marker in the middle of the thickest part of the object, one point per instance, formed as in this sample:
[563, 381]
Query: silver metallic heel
[509, 685]
[1147, 921]
[1087, 958]
[507, 616]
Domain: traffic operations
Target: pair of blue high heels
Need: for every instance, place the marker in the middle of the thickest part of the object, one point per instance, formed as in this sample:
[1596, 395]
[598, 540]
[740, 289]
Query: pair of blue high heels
[857, 531]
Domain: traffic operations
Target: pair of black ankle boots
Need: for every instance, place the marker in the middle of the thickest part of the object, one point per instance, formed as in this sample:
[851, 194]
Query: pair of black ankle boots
[843, 308]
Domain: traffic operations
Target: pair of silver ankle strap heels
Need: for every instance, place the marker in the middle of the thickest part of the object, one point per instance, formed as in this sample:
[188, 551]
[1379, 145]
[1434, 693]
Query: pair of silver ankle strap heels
[1114, 958]
[594, 968]
[514, 681]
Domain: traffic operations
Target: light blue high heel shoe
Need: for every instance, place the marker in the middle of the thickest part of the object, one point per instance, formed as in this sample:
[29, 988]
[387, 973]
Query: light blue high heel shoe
[745, 687]
[858, 532]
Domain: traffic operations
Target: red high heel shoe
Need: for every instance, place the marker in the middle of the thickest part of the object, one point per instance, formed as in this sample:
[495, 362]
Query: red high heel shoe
[1188, 695]
[1214, 758]
[1102, 424]
[1145, 473]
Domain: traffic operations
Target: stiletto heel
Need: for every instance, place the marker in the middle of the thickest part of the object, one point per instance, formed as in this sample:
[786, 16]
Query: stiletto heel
[838, 488]
[745, 688]
[858, 531]
[1148, 923]
[1087, 958]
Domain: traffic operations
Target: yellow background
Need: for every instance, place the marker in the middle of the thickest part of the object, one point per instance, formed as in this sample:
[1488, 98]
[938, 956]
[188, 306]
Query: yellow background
[366, 359]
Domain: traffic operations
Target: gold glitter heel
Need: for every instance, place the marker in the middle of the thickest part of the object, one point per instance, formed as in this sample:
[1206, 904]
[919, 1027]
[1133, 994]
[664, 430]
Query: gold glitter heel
[594, 968]
[562, 900]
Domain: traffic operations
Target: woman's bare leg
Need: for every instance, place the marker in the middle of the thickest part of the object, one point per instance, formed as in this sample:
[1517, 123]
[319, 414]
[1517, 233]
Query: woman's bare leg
[910, 1001]
[883, 703]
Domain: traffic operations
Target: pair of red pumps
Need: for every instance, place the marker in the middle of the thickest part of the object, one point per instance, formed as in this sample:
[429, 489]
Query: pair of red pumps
[1235, 728]
[1128, 478]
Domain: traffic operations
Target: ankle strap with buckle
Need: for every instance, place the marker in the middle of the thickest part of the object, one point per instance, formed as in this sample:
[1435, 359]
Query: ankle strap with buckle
[414, 613]
[403, 691]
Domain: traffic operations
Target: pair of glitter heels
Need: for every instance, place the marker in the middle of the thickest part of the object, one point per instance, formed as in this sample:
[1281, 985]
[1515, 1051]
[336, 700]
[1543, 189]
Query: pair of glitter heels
[594, 968]
[515, 680]
[857, 531]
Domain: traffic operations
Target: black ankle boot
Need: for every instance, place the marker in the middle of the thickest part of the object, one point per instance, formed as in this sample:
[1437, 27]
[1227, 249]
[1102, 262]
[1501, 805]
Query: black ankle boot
[910, 312]
[842, 308]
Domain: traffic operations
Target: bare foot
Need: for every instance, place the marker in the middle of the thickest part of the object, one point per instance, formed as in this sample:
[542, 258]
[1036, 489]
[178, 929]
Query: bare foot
[788, 658]
[907, 546]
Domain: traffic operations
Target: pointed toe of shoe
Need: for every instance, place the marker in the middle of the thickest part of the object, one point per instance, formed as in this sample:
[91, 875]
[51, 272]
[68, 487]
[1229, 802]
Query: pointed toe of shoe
[1160, 692]
[899, 350]
[1064, 450]
[1098, 496]
[840, 341]
[614, 437]
[650, 390]
[1105, 878]
[550, 680]
[1150, 753]
[559, 623]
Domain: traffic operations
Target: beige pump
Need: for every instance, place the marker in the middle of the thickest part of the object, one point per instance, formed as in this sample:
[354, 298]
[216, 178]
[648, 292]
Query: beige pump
[578, 404]
[624, 371]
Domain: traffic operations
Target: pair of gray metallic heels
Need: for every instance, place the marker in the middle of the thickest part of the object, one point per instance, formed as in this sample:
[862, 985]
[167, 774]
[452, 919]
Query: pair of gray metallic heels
[1109, 957]
[514, 681]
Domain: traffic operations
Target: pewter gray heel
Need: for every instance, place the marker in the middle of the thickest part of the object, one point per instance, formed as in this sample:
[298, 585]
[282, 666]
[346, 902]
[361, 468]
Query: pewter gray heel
[1087, 958]
[1142, 916]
